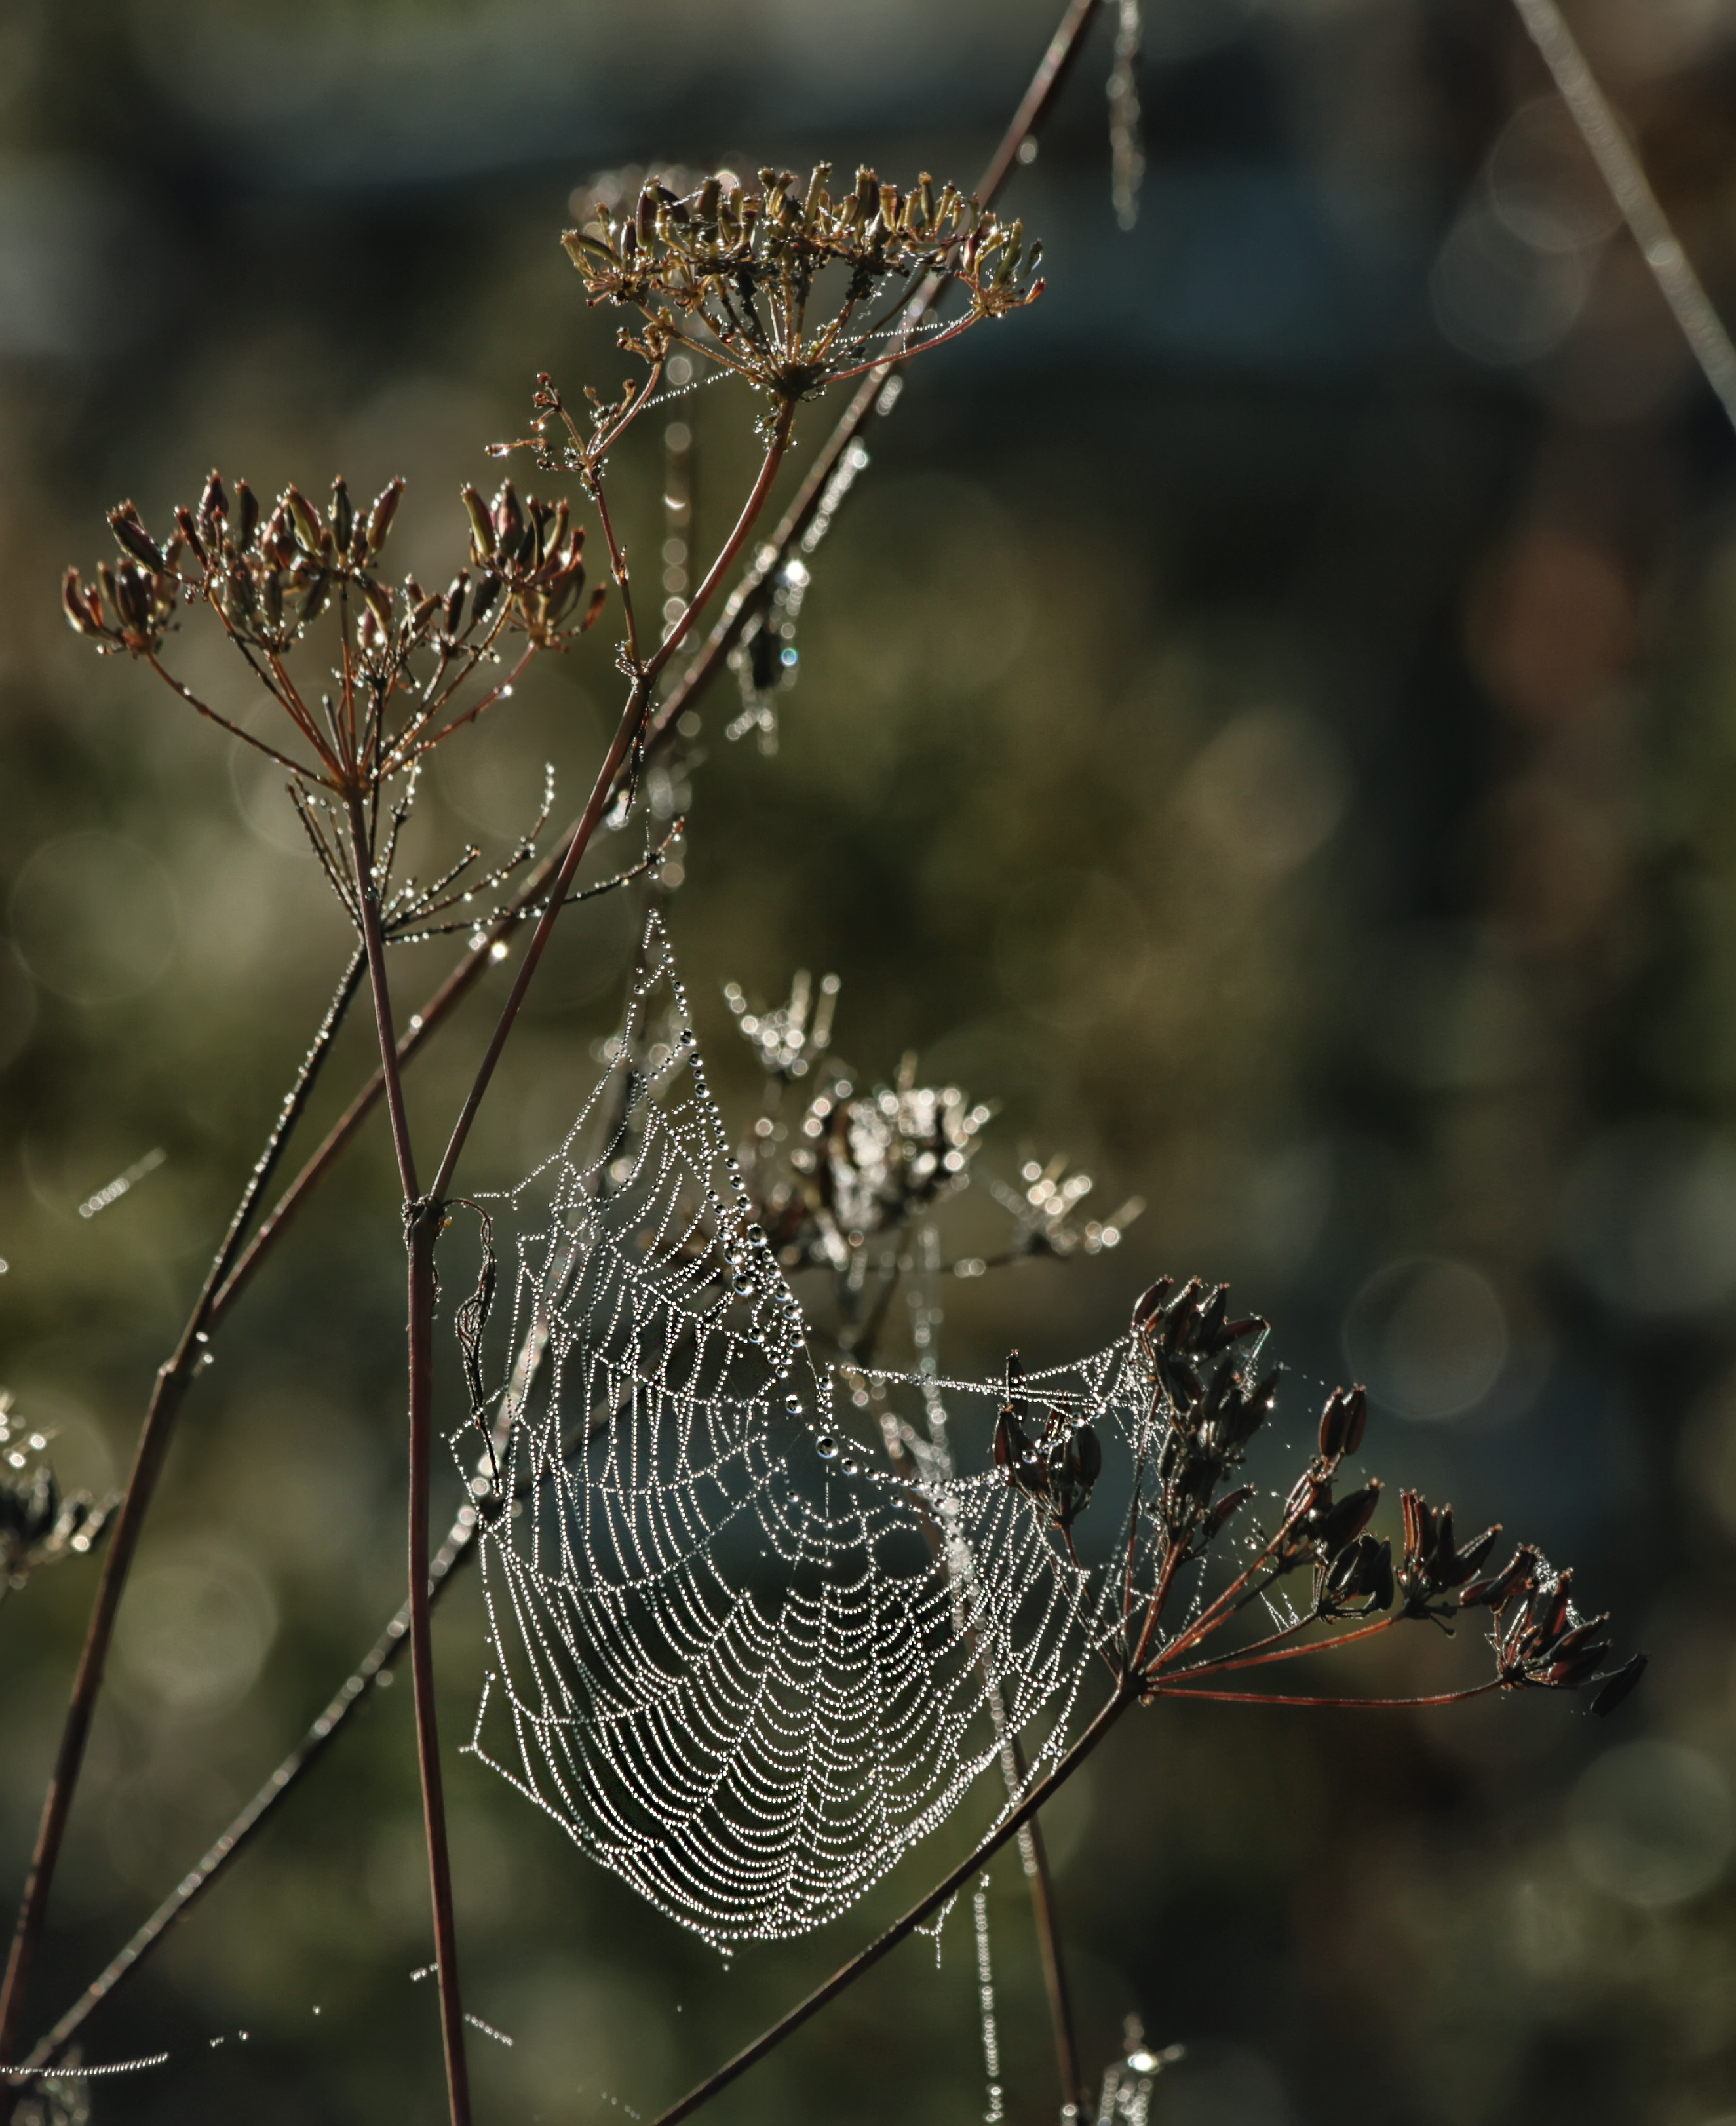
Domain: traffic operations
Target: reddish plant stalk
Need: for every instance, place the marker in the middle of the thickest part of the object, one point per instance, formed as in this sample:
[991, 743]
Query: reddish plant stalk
[421, 1226]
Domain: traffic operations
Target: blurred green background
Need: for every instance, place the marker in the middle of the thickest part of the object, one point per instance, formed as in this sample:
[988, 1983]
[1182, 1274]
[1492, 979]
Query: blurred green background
[1266, 717]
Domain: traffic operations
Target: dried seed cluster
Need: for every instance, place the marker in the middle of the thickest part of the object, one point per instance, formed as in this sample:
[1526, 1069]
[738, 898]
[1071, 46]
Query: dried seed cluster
[269, 578]
[733, 272]
[38, 1525]
[1208, 1419]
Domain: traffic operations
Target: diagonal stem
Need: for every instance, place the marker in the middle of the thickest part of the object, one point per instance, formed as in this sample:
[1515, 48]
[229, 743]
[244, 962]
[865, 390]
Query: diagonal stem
[169, 1390]
[628, 735]
[1621, 170]
[1008, 1828]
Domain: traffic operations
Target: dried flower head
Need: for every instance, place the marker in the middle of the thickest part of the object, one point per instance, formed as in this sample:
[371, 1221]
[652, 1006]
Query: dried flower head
[38, 1525]
[403, 652]
[1208, 1404]
[739, 274]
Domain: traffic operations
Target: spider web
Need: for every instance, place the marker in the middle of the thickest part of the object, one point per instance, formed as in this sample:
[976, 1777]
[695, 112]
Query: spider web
[740, 1665]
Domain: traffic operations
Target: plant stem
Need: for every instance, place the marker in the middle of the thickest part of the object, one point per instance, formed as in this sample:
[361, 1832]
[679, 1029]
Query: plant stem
[626, 735]
[1338, 1704]
[847, 1975]
[1621, 170]
[173, 1377]
[423, 1217]
[377, 1664]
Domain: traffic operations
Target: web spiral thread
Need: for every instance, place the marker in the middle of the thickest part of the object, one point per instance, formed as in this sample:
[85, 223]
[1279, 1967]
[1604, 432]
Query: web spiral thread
[739, 1663]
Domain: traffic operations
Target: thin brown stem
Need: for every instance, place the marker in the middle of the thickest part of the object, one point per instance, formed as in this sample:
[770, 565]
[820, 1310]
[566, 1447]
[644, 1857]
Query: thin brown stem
[626, 736]
[617, 563]
[1008, 1828]
[1265, 1651]
[421, 1227]
[422, 1223]
[223, 723]
[632, 718]
[367, 900]
[173, 1377]
[1341, 1704]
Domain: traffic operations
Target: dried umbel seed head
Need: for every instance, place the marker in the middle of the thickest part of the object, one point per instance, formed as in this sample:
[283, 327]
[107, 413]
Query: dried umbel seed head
[733, 272]
[269, 578]
[38, 1525]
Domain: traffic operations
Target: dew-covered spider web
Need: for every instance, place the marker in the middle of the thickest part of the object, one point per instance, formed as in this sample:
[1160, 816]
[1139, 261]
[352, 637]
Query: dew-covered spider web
[744, 1657]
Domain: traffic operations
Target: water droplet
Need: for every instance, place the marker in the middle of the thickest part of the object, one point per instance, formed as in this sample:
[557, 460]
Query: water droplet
[853, 1467]
[793, 1403]
[826, 1446]
[744, 1287]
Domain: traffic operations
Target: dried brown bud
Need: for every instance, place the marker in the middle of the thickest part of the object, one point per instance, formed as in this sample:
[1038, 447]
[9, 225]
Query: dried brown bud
[381, 516]
[131, 535]
[482, 526]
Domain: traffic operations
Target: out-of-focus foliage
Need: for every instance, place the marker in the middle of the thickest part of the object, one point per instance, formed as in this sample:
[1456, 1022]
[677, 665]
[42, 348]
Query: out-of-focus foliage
[1265, 719]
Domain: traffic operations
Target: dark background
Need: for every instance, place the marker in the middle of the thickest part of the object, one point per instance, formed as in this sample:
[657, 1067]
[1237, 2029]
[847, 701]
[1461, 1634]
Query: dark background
[1265, 717]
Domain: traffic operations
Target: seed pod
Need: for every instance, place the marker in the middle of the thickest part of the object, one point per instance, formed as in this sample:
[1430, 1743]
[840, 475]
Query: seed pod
[1619, 1686]
[1334, 1424]
[1419, 1528]
[508, 522]
[1499, 1589]
[246, 515]
[1469, 1559]
[455, 600]
[343, 514]
[214, 504]
[487, 591]
[1231, 1502]
[1349, 1517]
[1149, 1300]
[309, 529]
[378, 601]
[482, 527]
[1084, 1459]
[185, 526]
[1547, 1616]
[132, 599]
[381, 516]
[132, 537]
[1567, 1672]
[83, 610]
